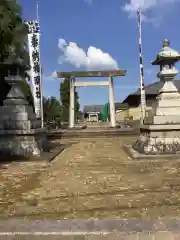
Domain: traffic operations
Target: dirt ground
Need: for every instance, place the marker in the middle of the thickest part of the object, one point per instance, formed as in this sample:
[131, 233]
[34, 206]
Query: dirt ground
[91, 179]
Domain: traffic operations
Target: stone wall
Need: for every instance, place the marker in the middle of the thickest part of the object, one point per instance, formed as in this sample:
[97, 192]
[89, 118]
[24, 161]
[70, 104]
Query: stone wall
[120, 116]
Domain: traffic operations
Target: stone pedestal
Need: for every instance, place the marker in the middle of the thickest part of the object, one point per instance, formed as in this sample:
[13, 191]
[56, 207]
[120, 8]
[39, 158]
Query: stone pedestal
[20, 132]
[158, 139]
[160, 133]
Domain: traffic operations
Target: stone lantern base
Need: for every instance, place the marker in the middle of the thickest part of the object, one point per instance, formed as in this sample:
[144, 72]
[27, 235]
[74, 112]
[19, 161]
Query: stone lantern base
[24, 143]
[156, 142]
[158, 139]
[20, 132]
[160, 133]
[21, 135]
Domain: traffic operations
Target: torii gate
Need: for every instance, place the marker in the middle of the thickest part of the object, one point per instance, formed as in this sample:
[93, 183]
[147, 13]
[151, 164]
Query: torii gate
[73, 83]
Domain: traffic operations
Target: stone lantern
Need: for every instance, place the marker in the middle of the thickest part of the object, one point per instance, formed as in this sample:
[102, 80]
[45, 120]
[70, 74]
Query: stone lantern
[21, 134]
[160, 133]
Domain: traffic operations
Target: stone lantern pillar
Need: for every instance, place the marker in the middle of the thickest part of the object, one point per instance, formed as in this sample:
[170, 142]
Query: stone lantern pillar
[160, 133]
[21, 134]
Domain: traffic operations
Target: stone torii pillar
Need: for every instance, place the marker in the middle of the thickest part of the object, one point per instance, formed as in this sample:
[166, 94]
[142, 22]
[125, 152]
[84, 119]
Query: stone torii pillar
[111, 103]
[72, 103]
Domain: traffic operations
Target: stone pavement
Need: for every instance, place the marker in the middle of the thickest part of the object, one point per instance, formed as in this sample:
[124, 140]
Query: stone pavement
[91, 230]
[114, 236]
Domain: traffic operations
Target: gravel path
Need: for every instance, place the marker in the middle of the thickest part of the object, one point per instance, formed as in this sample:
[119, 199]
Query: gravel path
[92, 179]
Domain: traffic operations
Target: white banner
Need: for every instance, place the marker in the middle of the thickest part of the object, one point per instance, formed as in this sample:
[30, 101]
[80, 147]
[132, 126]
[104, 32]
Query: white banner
[34, 55]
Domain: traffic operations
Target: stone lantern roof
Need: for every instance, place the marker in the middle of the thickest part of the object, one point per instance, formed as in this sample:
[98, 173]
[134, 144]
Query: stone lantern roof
[166, 54]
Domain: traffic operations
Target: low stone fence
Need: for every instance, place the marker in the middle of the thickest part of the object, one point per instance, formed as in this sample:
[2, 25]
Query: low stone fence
[92, 230]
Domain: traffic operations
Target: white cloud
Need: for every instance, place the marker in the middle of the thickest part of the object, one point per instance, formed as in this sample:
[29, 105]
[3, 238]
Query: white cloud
[143, 4]
[154, 8]
[52, 76]
[93, 59]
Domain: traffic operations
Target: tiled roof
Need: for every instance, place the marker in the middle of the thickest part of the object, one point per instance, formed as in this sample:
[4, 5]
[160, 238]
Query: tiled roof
[153, 89]
[92, 108]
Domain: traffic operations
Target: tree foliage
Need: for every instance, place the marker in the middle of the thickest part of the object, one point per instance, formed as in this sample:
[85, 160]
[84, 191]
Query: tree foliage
[13, 46]
[13, 31]
[13, 34]
[65, 100]
[52, 109]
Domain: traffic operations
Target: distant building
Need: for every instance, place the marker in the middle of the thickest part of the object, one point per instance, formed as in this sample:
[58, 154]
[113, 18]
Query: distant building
[130, 107]
[134, 99]
[92, 112]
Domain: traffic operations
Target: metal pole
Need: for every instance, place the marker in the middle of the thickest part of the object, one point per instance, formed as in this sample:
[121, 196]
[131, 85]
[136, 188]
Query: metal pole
[42, 113]
[142, 90]
[37, 10]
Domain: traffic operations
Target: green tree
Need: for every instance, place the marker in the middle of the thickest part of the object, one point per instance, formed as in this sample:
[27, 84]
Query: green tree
[65, 100]
[52, 109]
[13, 31]
[13, 35]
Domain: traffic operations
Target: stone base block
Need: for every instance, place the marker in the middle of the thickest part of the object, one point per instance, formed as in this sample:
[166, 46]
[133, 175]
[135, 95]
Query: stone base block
[26, 145]
[13, 109]
[17, 117]
[9, 113]
[44, 155]
[164, 120]
[21, 125]
[158, 140]
[144, 157]
[154, 146]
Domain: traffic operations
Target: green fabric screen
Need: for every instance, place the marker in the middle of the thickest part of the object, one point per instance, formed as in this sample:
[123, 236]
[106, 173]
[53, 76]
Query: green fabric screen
[104, 113]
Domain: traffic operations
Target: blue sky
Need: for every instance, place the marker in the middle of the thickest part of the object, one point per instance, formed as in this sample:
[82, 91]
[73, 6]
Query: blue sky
[104, 25]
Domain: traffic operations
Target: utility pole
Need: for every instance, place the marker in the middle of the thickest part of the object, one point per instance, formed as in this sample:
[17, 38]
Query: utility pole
[142, 89]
